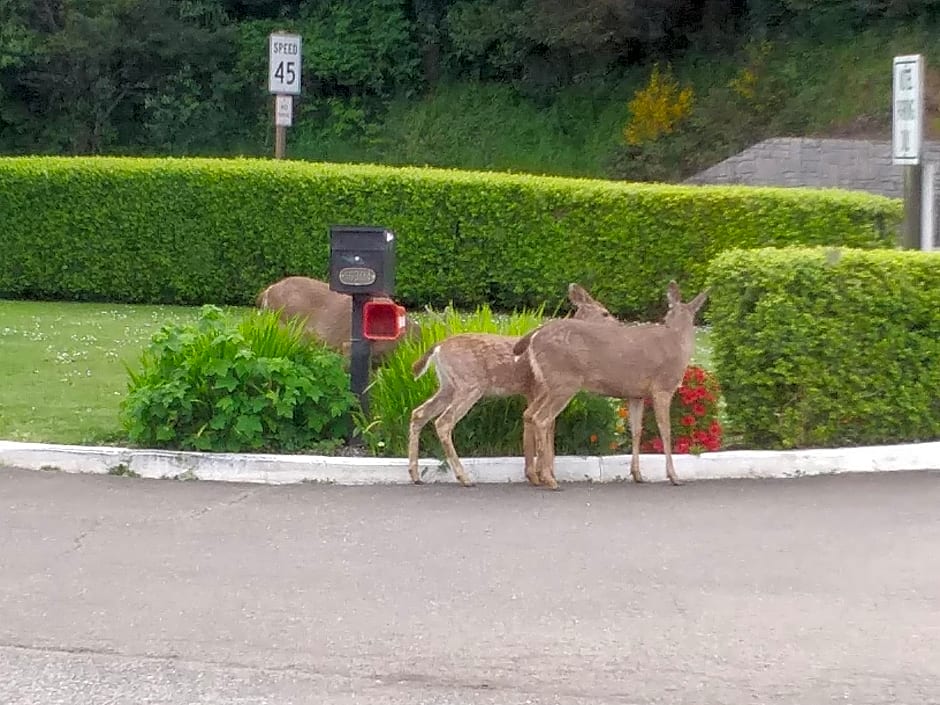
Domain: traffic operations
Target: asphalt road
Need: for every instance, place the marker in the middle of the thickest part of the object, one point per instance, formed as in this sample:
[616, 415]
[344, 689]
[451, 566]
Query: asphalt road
[818, 590]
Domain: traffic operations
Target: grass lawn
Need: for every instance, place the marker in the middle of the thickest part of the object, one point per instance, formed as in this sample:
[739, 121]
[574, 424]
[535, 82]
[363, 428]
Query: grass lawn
[62, 366]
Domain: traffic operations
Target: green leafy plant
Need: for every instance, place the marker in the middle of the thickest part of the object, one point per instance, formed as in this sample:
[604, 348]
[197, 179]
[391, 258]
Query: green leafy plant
[219, 230]
[251, 385]
[819, 347]
[494, 426]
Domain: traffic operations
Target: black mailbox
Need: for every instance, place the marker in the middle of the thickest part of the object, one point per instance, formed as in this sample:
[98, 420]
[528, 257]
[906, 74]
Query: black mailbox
[362, 260]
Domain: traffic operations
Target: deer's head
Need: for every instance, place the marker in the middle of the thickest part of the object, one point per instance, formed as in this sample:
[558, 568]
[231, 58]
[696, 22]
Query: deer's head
[586, 307]
[682, 314]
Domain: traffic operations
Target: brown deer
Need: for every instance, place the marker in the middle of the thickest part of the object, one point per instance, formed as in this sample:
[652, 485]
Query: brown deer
[621, 361]
[326, 313]
[473, 365]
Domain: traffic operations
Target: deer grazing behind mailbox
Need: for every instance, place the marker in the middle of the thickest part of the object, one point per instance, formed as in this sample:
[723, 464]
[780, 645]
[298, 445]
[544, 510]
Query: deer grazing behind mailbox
[326, 314]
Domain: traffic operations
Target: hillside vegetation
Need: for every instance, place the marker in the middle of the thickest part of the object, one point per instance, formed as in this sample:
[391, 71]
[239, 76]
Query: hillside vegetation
[640, 90]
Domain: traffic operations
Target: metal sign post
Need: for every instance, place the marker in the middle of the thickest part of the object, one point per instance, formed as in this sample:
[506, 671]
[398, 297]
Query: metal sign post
[907, 139]
[928, 217]
[284, 82]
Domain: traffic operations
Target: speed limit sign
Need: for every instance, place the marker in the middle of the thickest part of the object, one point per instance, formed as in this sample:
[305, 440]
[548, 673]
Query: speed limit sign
[284, 64]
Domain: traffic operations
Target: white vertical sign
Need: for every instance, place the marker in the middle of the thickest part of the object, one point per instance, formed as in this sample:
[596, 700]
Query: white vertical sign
[283, 110]
[284, 64]
[908, 103]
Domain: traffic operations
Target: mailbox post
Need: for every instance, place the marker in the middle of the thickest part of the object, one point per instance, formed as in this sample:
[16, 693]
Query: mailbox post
[362, 264]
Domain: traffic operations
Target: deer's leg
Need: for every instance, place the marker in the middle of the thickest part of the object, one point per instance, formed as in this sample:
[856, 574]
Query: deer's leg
[636, 430]
[661, 402]
[543, 411]
[529, 450]
[531, 445]
[430, 409]
[444, 424]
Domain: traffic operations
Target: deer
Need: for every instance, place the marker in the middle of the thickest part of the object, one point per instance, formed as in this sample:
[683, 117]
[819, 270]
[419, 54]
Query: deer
[471, 366]
[326, 313]
[616, 360]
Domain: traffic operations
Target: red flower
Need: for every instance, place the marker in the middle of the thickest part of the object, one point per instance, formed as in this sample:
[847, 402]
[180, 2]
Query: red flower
[657, 445]
[693, 415]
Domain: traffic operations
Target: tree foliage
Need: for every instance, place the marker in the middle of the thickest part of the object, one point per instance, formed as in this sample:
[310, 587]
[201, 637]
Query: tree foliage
[188, 76]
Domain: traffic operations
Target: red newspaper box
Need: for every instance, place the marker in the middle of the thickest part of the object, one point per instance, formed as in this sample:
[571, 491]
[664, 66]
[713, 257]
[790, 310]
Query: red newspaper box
[382, 319]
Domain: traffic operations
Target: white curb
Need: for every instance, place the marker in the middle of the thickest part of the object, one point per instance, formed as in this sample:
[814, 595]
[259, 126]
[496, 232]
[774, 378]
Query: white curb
[285, 469]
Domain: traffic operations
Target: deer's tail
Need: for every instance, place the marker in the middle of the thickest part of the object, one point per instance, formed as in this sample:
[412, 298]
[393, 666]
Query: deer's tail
[261, 300]
[422, 363]
[523, 343]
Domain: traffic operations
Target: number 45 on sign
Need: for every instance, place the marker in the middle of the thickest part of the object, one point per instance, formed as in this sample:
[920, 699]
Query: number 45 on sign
[284, 64]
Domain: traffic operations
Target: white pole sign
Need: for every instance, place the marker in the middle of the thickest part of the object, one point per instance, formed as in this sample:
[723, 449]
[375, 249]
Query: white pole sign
[284, 64]
[907, 136]
[283, 110]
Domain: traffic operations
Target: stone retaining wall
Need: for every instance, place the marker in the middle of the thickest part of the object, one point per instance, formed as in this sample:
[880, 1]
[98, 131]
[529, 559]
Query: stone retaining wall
[820, 163]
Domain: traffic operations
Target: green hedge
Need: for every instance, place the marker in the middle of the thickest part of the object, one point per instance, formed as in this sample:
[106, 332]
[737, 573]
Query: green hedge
[819, 347]
[195, 231]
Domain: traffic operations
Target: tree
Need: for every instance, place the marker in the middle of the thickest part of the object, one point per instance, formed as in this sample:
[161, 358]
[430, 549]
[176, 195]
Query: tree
[94, 69]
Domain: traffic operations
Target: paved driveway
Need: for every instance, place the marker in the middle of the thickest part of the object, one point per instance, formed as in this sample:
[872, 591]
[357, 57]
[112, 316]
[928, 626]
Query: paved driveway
[120, 590]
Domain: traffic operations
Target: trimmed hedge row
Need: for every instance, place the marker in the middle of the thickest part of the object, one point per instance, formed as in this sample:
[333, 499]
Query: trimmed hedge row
[819, 347]
[193, 231]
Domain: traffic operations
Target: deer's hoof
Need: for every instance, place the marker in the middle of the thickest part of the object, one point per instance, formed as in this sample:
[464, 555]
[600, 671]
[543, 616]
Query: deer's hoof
[467, 483]
[417, 481]
[676, 483]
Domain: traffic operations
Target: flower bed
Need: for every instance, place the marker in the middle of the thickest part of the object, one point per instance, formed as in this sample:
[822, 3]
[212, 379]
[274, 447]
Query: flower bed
[694, 417]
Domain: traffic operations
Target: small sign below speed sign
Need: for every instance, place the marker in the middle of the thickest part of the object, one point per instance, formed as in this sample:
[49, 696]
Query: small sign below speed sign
[284, 64]
[283, 110]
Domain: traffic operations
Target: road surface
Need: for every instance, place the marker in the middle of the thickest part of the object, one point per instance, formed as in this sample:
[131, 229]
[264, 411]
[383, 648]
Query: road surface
[817, 590]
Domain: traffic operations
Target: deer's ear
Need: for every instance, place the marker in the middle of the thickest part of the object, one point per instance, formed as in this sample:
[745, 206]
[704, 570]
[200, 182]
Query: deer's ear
[696, 303]
[673, 296]
[578, 295]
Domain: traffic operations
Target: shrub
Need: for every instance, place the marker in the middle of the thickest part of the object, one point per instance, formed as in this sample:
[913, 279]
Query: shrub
[494, 426]
[193, 231]
[693, 414]
[828, 347]
[658, 108]
[253, 385]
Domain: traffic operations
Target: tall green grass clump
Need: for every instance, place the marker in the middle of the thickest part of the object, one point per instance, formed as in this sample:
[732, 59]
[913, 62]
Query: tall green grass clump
[494, 426]
[222, 384]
